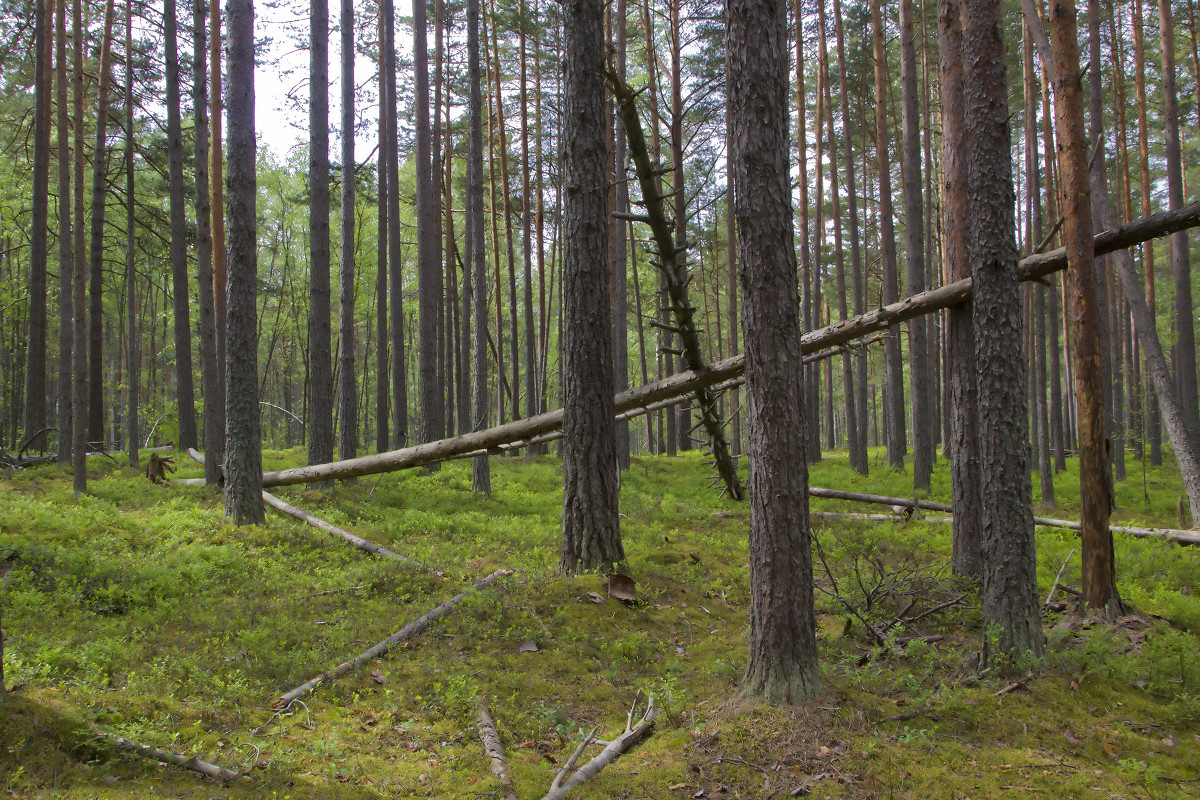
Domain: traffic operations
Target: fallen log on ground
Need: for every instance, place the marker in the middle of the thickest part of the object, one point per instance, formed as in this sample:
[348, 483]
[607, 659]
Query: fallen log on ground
[1031, 268]
[407, 632]
[316, 522]
[631, 736]
[156, 754]
[838, 494]
[493, 750]
[1177, 536]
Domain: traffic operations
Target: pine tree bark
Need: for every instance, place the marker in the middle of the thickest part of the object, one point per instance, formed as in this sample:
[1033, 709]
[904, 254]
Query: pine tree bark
[79, 396]
[1011, 607]
[1181, 272]
[965, 479]
[132, 341]
[429, 270]
[66, 255]
[217, 192]
[475, 270]
[320, 356]
[395, 276]
[591, 530]
[96, 254]
[893, 367]
[214, 418]
[782, 665]
[347, 399]
[919, 373]
[382, 383]
[243, 427]
[35, 373]
[619, 253]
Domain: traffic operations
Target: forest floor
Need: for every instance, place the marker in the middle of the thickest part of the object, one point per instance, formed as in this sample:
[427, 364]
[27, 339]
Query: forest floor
[138, 611]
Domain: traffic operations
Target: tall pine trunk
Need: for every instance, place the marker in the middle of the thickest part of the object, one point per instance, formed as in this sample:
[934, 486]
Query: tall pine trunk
[347, 398]
[214, 417]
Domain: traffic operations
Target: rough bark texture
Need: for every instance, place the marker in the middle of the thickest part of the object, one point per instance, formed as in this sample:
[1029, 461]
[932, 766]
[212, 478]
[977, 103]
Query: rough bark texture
[429, 270]
[920, 375]
[78, 274]
[1099, 578]
[382, 383]
[132, 343]
[35, 380]
[217, 186]
[347, 390]
[96, 254]
[1011, 608]
[185, 394]
[893, 389]
[214, 415]
[782, 666]
[475, 273]
[591, 530]
[966, 488]
[65, 250]
[320, 356]
[1181, 272]
[243, 428]
[395, 278]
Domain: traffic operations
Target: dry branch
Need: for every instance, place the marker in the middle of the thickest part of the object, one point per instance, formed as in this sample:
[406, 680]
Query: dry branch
[493, 749]
[838, 494]
[612, 750]
[407, 632]
[156, 754]
[688, 382]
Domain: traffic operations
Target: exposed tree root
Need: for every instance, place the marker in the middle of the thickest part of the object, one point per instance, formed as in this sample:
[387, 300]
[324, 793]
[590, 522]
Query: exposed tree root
[612, 750]
[408, 631]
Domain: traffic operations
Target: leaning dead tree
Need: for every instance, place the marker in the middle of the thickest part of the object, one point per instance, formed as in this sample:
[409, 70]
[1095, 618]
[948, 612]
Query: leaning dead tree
[675, 278]
[525, 431]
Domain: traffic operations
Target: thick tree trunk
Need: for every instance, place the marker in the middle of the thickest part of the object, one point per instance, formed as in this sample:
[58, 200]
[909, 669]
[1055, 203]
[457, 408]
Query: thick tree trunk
[320, 356]
[429, 268]
[782, 666]
[591, 530]
[243, 428]
[66, 254]
[96, 254]
[214, 417]
[35, 375]
[1009, 593]
[1099, 584]
[893, 395]
[965, 479]
[919, 374]
[475, 270]
[347, 390]
[185, 395]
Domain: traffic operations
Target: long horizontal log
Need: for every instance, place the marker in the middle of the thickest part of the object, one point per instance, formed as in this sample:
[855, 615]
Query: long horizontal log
[1030, 269]
[877, 499]
[158, 754]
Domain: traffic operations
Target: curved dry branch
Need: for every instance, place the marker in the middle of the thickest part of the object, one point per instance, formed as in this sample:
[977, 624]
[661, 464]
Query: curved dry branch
[612, 750]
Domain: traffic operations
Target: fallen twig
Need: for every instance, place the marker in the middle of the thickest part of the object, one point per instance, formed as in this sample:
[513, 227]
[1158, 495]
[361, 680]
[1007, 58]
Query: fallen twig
[408, 631]
[613, 749]
[157, 754]
[1054, 588]
[489, 737]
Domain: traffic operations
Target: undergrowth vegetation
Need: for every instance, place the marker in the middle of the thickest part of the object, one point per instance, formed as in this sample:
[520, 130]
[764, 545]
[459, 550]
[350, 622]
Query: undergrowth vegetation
[138, 611]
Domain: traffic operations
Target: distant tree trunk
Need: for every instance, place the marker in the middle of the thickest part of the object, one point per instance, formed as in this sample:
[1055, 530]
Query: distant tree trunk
[735, 404]
[1009, 595]
[591, 529]
[683, 421]
[858, 455]
[813, 450]
[320, 355]
[132, 343]
[347, 390]
[429, 268]
[96, 255]
[1185, 335]
[782, 664]
[79, 396]
[619, 254]
[382, 383]
[65, 251]
[214, 428]
[35, 376]
[965, 479]
[179, 277]
[475, 271]
[919, 373]
[893, 368]
[216, 149]
[395, 275]
[243, 427]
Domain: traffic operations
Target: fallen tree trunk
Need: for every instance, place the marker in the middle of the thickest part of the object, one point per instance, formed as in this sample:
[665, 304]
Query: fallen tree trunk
[493, 750]
[1031, 268]
[837, 494]
[407, 632]
[316, 522]
[157, 754]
